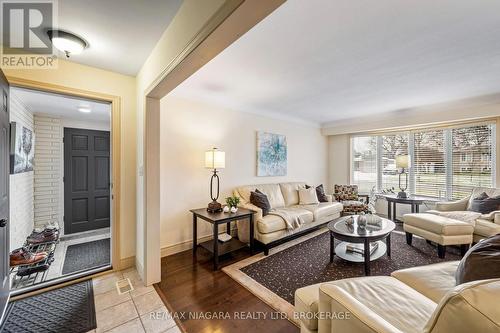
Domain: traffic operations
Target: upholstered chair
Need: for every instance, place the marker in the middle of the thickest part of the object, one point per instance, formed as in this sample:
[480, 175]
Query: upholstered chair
[348, 196]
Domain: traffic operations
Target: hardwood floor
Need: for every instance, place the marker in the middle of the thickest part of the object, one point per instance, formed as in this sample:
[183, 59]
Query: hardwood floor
[193, 287]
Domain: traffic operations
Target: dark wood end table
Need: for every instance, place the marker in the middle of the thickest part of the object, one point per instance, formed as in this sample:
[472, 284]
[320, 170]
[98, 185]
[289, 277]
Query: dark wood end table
[413, 200]
[354, 234]
[214, 246]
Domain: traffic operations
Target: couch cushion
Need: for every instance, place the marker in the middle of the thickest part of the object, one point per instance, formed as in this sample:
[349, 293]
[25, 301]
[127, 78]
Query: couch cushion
[306, 305]
[490, 191]
[470, 307]
[323, 209]
[290, 192]
[272, 223]
[481, 262]
[308, 196]
[260, 200]
[438, 224]
[464, 216]
[272, 191]
[486, 228]
[402, 307]
[485, 204]
[432, 281]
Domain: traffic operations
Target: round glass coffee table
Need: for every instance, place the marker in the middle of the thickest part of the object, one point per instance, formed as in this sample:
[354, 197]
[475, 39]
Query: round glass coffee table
[356, 241]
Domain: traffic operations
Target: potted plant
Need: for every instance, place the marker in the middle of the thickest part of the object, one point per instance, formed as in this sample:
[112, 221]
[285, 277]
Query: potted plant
[232, 203]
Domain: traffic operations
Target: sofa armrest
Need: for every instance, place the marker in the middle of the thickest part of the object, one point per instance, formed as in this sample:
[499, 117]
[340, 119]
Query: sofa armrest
[329, 197]
[335, 303]
[459, 205]
[493, 216]
[258, 211]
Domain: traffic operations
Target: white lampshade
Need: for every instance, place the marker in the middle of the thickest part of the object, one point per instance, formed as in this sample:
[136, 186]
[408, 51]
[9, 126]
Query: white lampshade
[402, 161]
[215, 159]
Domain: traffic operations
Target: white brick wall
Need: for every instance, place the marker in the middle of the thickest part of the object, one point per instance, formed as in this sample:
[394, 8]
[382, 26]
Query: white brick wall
[21, 184]
[48, 173]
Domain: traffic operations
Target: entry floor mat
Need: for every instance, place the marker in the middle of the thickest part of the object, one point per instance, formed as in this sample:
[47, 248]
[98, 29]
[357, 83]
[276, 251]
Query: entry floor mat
[85, 256]
[68, 309]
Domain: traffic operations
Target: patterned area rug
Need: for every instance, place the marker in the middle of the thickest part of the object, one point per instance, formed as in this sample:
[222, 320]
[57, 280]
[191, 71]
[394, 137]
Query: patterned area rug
[306, 261]
[65, 310]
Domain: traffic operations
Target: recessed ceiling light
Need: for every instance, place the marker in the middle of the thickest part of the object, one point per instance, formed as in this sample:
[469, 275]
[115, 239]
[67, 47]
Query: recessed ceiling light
[84, 109]
[67, 42]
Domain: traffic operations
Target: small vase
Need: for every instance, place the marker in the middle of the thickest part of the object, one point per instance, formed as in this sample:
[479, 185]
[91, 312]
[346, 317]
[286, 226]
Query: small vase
[225, 209]
[362, 221]
[234, 209]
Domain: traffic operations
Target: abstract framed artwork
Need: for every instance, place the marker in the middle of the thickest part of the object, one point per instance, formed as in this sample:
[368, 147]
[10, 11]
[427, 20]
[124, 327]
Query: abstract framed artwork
[271, 154]
[22, 149]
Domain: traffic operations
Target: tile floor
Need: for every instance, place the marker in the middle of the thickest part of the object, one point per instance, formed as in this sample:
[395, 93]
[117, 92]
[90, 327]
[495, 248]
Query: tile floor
[140, 310]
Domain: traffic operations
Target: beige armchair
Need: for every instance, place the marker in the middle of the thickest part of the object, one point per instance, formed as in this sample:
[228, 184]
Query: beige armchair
[421, 299]
[486, 225]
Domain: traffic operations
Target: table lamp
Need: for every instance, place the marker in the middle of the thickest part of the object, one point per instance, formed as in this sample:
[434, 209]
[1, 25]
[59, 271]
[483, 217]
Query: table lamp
[214, 159]
[403, 163]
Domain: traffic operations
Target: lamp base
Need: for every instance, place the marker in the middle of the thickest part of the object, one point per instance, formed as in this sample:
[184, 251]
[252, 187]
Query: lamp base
[214, 207]
[402, 195]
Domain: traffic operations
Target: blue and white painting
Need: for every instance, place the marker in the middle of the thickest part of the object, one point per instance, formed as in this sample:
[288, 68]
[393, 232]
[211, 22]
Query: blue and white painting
[271, 154]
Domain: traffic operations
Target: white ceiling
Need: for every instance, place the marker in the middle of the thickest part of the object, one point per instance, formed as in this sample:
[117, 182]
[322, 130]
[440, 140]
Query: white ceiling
[64, 106]
[121, 33]
[322, 61]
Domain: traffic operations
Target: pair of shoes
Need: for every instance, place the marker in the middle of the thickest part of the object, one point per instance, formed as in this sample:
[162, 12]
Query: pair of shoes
[22, 256]
[43, 266]
[44, 236]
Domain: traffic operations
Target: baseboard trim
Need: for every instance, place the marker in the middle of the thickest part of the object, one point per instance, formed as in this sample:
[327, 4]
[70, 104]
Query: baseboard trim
[127, 262]
[168, 250]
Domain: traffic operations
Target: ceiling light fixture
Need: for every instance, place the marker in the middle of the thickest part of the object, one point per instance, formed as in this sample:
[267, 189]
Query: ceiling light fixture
[67, 42]
[84, 109]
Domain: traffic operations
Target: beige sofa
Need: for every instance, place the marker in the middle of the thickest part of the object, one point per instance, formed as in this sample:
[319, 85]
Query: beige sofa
[270, 230]
[421, 299]
[485, 225]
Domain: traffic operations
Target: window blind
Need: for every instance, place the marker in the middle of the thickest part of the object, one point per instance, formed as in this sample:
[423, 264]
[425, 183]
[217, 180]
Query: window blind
[429, 163]
[364, 163]
[472, 159]
[392, 145]
[446, 162]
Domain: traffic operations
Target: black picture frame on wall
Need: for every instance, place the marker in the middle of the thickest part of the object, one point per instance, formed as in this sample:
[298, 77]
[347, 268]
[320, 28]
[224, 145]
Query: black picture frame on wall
[22, 148]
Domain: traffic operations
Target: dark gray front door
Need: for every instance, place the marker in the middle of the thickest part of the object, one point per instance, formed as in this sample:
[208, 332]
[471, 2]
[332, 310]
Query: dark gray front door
[86, 180]
[4, 194]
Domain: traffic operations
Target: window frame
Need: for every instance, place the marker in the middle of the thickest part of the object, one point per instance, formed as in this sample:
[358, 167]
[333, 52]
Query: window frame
[448, 152]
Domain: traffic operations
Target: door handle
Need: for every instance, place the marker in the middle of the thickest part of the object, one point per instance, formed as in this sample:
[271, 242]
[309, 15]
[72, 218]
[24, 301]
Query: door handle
[3, 223]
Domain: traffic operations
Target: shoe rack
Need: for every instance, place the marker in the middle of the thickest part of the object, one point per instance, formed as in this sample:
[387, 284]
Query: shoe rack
[31, 274]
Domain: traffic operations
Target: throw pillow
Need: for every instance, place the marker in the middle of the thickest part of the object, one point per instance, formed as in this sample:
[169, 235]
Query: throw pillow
[320, 193]
[307, 196]
[481, 262]
[484, 204]
[260, 200]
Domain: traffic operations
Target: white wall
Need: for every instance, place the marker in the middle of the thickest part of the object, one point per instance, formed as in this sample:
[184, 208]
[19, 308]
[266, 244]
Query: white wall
[21, 184]
[338, 153]
[48, 174]
[190, 128]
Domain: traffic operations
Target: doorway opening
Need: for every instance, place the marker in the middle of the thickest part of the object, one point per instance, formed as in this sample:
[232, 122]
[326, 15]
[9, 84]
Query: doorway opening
[60, 188]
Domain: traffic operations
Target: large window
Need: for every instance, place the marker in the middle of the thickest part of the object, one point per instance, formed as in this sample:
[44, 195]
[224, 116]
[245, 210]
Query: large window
[472, 151]
[364, 163]
[445, 163]
[392, 146]
[429, 166]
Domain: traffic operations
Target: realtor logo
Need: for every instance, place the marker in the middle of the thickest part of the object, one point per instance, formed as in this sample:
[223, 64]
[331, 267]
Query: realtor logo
[25, 42]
